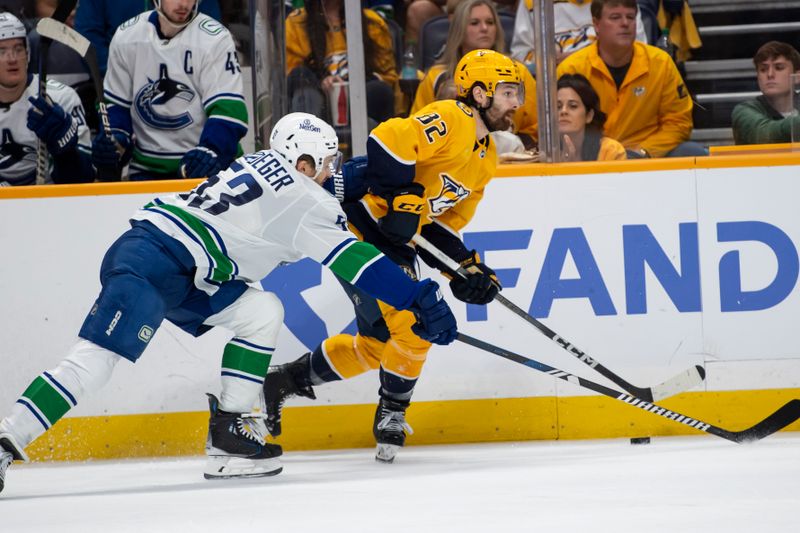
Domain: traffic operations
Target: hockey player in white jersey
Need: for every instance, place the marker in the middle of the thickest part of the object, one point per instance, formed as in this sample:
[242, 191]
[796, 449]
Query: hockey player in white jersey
[188, 258]
[25, 118]
[174, 89]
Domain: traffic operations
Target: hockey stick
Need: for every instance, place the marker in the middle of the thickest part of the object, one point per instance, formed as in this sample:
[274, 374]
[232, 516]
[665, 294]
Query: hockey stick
[60, 32]
[683, 381]
[62, 11]
[773, 423]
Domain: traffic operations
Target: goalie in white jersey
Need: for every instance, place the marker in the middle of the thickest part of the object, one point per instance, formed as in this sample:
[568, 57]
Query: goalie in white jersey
[26, 118]
[188, 258]
[174, 89]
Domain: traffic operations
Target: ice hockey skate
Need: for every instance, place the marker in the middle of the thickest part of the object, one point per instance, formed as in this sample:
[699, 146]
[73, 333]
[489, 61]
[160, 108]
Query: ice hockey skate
[283, 382]
[390, 428]
[9, 450]
[236, 447]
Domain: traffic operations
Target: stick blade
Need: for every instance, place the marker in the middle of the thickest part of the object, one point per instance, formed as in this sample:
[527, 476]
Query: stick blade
[60, 32]
[688, 379]
[772, 424]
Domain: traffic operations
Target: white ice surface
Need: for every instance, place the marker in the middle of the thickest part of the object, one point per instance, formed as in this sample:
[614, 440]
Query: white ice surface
[684, 484]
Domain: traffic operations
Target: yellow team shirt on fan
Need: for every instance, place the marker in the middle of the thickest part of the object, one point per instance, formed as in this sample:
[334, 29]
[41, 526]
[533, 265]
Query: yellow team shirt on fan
[454, 167]
[651, 109]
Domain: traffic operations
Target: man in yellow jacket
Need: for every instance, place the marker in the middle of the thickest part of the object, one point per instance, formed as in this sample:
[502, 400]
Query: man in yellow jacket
[648, 106]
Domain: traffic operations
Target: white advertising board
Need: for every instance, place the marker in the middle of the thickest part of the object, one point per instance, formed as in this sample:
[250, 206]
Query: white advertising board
[647, 272]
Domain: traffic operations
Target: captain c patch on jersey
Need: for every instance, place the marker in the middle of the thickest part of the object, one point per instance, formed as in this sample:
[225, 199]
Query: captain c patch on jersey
[452, 192]
[160, 92]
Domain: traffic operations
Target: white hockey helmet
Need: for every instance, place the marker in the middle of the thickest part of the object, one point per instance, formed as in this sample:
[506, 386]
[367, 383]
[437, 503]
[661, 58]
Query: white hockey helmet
[12, 28]
[298, 134]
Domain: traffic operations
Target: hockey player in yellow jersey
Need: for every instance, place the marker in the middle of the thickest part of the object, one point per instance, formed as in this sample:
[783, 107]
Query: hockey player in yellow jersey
[425, 173]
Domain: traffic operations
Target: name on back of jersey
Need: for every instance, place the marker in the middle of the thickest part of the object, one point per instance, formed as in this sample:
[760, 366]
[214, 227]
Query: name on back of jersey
[270, 168]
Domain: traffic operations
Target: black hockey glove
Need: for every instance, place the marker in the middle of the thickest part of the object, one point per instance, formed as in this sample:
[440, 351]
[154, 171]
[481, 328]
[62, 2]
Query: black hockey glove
[435, 320]
[200, 162]
[480, 286]
[110, 154]
[52, 125]
[405, 207]
[350, 184]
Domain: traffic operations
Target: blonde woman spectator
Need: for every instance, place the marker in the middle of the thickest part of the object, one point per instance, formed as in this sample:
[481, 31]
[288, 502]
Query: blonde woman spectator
[580, 122]
[475, 24]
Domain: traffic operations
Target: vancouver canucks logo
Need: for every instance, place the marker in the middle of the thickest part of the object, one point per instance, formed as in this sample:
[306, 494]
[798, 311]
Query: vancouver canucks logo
[12, 152]
[452, 193]
[159, 92]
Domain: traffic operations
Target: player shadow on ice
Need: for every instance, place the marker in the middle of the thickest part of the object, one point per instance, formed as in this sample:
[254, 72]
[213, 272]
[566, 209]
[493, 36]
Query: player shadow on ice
[297, 471]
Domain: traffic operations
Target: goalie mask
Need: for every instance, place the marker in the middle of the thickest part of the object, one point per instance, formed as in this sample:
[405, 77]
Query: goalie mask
[299, 134]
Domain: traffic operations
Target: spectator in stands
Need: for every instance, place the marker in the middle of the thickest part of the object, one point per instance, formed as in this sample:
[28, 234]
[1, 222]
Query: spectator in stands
[580, 122]
[384, 8]
[63, 63]
[772, 117]
[28, 118]
[97, 20]
[573, 29]
[174, 88]
[641, 91]
[419, 11]
[316, 58]
[475, 24]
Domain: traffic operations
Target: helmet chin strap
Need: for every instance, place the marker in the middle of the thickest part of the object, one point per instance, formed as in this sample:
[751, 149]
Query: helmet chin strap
[319, 171]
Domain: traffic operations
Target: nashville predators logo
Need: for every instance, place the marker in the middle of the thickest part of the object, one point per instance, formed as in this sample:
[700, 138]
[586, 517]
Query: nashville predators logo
[409, 272]
[153, 96]
[452, 193]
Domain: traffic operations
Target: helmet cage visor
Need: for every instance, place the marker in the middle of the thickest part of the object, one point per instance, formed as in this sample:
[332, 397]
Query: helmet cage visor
[511, 91]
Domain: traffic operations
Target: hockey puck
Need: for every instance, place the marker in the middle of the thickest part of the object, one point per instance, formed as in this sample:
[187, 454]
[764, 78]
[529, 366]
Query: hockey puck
[640, 440]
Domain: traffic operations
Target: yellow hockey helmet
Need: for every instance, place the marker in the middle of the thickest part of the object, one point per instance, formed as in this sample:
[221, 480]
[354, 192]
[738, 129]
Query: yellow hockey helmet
[488, 67]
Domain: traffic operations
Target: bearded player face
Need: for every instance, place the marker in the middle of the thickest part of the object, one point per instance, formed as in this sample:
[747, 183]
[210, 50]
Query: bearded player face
[500, 115]
[177, 11]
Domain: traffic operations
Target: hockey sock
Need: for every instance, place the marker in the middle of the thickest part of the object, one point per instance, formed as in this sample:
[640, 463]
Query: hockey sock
[395, 387]
[320, 369]
[51, 395]
[244, 365]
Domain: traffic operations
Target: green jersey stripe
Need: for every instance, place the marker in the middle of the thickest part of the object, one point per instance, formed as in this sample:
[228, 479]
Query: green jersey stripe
[162, 165]
[243, 360]
[236, 109]
[351, 261]
[364, 267]
[47, 399]
[223, 270]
